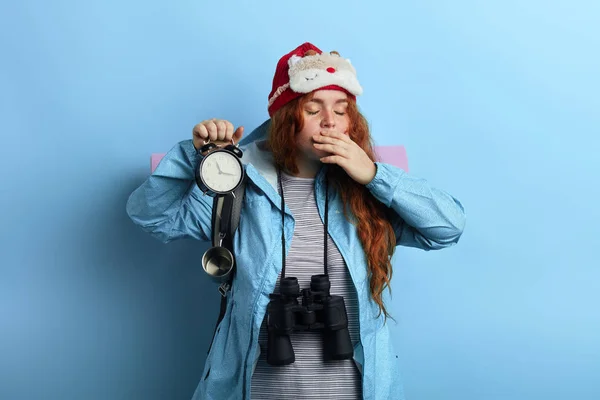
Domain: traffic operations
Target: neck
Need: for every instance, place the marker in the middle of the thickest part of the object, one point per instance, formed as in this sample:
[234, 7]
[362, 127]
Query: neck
[306, 168]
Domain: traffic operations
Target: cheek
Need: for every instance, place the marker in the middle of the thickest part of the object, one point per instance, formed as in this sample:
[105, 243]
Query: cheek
[345, 125]
[305, 137]
[310, 128]
[310, 124]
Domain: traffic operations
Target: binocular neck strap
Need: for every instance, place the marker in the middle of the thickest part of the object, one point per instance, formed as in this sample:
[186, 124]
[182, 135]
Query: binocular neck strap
[282, 226]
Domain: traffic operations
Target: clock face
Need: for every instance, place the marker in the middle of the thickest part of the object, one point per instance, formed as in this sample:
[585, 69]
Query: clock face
[221, 171]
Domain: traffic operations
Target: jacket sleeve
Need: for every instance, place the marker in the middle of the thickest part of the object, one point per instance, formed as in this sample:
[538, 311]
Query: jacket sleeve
[422, 216]
[169, 205]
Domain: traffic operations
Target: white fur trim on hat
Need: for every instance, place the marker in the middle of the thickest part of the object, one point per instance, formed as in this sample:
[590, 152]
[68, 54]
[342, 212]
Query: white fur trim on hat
[313, 72]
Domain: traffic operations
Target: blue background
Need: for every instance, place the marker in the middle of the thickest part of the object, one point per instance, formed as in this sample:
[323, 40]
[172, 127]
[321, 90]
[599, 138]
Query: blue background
[496, 102]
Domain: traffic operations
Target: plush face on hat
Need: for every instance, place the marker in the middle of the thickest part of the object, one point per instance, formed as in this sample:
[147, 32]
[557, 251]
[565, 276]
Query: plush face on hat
[315, 71]
[306, 69]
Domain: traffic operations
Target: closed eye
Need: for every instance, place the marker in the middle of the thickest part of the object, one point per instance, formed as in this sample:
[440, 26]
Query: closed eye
[340, 113]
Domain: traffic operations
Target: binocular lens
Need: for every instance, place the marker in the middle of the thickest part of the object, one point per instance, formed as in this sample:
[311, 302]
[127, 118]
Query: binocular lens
[320, 283]
[290, 287]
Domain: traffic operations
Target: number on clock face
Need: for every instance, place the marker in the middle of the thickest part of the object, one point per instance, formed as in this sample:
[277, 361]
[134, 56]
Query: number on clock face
[221, 171]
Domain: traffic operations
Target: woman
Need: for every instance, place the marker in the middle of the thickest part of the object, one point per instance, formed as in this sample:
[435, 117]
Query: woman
[310, 169]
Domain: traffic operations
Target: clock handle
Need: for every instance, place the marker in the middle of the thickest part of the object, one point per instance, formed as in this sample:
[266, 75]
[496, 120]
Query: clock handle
[235, 149]
[206, 147]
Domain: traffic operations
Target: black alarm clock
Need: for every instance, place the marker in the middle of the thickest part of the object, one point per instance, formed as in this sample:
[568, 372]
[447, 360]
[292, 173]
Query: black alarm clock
[220, 171]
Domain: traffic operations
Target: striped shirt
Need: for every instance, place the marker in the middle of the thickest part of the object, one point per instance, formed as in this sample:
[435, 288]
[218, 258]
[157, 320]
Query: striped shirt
[310, 376]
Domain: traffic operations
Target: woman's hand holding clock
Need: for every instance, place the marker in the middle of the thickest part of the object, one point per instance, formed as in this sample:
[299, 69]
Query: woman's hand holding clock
[218, 131]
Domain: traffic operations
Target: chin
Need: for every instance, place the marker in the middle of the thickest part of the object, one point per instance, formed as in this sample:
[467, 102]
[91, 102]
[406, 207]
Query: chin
[317, 154]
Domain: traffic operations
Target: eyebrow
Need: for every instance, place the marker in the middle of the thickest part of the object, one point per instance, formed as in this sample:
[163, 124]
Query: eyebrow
[319, 101]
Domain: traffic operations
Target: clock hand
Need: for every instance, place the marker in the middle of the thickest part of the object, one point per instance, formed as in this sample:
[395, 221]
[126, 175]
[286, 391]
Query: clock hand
[219, 168]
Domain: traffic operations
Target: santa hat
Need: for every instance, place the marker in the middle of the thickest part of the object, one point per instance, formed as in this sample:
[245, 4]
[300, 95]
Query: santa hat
[306, 69]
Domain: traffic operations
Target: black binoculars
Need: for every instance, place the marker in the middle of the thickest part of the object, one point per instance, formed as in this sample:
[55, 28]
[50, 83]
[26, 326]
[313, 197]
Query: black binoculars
[319, 311]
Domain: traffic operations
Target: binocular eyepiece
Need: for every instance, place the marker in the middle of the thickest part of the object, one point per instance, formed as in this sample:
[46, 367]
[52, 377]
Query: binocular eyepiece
[319, 311]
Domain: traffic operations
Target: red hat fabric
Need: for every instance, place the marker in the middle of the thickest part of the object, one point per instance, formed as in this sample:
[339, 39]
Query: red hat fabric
[307, 68]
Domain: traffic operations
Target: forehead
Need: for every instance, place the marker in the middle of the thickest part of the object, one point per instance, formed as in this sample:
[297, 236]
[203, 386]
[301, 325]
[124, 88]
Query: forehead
[329, 96]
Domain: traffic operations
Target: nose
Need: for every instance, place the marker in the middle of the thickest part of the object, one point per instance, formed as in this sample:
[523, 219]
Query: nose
[328, 120]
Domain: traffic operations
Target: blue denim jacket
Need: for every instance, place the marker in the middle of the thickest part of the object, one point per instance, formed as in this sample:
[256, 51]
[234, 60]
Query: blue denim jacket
[170, 206]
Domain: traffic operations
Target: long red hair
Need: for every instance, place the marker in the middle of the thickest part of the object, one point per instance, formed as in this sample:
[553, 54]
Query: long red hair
[374, 230]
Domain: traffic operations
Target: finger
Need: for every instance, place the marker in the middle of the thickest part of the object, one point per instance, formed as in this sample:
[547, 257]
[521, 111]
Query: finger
[333, 149]
[211, 127]
[196, 128]
[331, 140]
[228, 130]
[197, 139]
[201, 132]
[335, 142]
[337, 135]
[334, 160]
[221, 130]
[238, 134]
